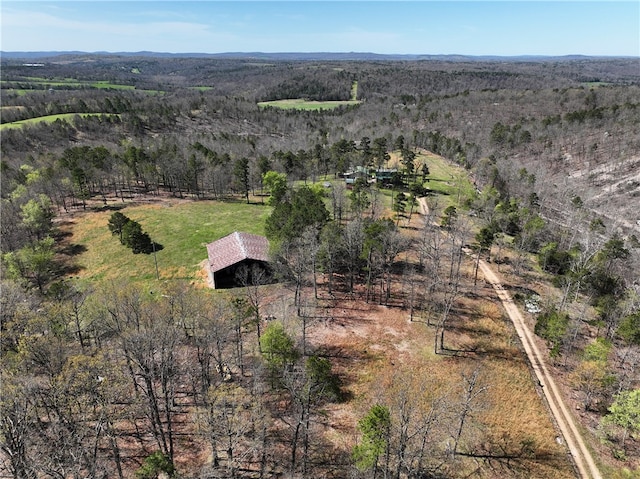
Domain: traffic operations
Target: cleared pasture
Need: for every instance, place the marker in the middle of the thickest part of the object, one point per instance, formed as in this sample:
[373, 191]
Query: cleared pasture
[183, 228]
[302, 104]
[38, 83]
[447, 182]
[49, 119]
[24, 85]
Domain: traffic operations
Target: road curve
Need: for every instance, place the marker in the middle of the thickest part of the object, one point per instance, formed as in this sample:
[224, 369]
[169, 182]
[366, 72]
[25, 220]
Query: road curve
[582, 458]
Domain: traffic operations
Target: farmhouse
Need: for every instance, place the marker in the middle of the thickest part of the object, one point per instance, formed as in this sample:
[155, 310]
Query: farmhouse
[385, 175]
[227, 255]
[351, 176]
[380, 175]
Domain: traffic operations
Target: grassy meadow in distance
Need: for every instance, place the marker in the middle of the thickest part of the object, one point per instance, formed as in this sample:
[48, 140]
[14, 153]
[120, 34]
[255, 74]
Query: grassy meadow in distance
[44, 83]
[49, 119]
[301, 104]
[37, 84]
[183, 228]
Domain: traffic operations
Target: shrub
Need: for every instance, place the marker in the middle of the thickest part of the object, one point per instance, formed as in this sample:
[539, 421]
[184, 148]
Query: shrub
[552, 326]
[278, 347]
[154, 465]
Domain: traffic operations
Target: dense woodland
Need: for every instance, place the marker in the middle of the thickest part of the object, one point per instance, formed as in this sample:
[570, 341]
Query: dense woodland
[103, 380]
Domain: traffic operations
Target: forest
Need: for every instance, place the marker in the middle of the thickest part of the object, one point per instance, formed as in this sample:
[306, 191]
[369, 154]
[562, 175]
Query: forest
[374, 347]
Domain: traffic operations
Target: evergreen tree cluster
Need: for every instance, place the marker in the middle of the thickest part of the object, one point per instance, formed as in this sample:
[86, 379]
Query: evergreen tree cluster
[131, 234]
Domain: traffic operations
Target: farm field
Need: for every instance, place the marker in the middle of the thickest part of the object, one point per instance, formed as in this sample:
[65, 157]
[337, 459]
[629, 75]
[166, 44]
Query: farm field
[302, 104]
[49, 119]
[25, 85]
[37, 83]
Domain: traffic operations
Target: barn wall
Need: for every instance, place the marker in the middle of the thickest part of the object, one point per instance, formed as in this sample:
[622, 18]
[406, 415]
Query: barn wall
[226, 278]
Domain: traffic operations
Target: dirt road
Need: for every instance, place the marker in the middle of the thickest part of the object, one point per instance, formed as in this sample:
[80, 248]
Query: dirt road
[582, 458]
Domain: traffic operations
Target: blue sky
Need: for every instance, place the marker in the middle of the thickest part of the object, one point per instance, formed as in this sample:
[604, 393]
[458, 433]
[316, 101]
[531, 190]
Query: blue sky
[411, 27]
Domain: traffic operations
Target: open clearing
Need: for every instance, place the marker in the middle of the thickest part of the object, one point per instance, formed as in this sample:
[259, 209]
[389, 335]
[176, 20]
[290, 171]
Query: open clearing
[25, 85]
[378, 352]
[181, 227]
[302, 104]
[50, 119]
[369, 344]
[66, 83]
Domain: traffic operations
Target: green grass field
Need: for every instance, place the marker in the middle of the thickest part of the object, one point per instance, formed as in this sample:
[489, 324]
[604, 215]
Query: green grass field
[44, 83]
[449, 183]
[447, 179]
[182, 228]
[48, 119]
[37, 84]
[301, 104]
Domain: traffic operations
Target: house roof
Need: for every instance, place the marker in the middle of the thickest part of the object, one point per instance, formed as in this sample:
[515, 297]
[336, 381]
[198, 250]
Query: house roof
[237, 247]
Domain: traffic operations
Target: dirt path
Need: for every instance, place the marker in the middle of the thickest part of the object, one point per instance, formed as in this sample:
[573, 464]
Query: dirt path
[581, 455]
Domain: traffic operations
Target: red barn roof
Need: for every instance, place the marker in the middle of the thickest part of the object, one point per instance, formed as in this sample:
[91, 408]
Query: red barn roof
[237, 247]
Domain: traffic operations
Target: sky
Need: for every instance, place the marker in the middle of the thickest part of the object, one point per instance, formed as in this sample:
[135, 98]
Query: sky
[475, 27]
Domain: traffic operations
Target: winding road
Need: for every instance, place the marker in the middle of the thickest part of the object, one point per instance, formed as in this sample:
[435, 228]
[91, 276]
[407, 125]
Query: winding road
[582, 458]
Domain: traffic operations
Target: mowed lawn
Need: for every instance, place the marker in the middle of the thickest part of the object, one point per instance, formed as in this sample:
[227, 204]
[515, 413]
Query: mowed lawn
[182, 228]
[448, 183]
[446, 178]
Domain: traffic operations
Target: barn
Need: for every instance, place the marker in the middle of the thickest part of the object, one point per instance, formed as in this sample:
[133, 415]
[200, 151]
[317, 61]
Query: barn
[227, 255]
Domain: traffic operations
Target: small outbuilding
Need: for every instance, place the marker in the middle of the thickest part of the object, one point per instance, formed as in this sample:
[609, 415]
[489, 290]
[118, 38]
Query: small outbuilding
[227, 255]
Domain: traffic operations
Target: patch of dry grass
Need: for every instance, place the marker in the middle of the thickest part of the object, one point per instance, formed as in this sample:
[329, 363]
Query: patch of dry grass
[383, 354]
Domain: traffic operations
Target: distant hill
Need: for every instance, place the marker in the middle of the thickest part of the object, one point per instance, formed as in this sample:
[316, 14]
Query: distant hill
[301, 56]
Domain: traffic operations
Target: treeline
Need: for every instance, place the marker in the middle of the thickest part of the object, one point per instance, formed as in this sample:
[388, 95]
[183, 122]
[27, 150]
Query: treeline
[319, 87]
[55, 102]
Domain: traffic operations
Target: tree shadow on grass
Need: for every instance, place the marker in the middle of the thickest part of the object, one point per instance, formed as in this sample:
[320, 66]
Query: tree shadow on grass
[152, 248]
[69, 270]
[73, 249]
[109, 207]
[156, 247]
